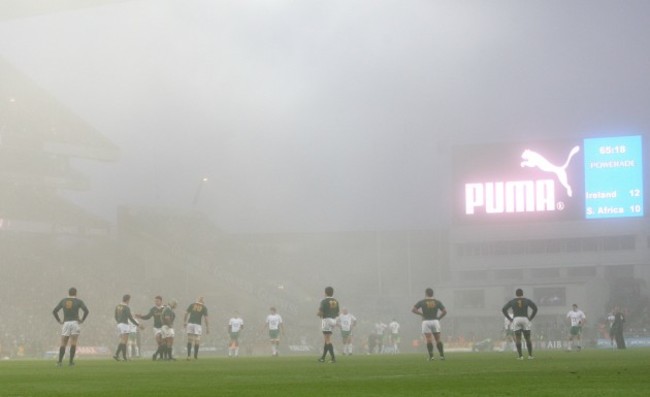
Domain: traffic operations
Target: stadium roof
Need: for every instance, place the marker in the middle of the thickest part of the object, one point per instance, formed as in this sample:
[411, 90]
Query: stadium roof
[41, 122]
[44, 206]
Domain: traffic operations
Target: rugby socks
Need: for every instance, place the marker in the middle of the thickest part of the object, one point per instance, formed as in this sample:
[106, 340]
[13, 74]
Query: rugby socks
[161, 351]
[133, 351]
[328, 348]
[518, 345]
[196, 351]
[440, 349]
[529, 344]
[61, 353]
[121, 348]
[430, 348]
[73, 350]
[189, 350]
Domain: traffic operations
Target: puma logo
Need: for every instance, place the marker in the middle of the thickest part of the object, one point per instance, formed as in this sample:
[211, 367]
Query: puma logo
[533, 159]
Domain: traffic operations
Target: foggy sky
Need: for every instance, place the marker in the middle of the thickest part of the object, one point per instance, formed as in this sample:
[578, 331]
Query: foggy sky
[327, 115]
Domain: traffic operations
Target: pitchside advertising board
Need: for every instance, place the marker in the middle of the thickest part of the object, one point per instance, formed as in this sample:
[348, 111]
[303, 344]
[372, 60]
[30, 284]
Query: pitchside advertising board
[559, 180]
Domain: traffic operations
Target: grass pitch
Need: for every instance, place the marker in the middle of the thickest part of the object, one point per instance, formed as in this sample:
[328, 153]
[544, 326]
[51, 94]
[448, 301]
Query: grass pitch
[589, 373]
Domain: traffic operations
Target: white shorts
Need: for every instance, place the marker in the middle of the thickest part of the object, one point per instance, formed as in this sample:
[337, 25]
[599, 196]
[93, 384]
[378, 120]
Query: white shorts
[123, 329]
[167, 332]
[194, 329]
[70, 328]
[157, 331]
[328, 324]
[431, 326]
[521, 324]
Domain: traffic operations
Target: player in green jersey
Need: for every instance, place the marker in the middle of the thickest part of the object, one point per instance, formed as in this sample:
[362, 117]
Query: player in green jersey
[123, 317]
[196, 312]
[428, 308]
[617, 328]
[328, 311]
[521, 320]
[70, 330]
[156, 313]
[168, 334]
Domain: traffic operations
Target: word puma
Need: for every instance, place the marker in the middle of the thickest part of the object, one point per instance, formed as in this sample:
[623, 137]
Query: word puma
[510, 197]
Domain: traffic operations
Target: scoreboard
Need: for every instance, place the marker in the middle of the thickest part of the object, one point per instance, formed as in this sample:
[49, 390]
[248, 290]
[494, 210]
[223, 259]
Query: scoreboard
[567, 179]
[613, 177]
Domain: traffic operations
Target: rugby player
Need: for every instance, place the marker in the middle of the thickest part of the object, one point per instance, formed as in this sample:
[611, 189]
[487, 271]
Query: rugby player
[328, 311]
[428, 309]
[70, 330]
[123, 317]
[196, 312]
[521, 320]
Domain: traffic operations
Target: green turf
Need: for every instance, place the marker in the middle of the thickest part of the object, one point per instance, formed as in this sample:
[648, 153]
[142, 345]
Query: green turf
[589, 373]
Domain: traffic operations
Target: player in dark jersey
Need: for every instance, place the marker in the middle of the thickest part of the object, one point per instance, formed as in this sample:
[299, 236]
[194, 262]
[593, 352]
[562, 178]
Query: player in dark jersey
[521, 320]
[123, 317]
[70, 330]
[168, 317]
[328, 311]
[156, 313]
[431, 311]
[617, 328]
[196, 312]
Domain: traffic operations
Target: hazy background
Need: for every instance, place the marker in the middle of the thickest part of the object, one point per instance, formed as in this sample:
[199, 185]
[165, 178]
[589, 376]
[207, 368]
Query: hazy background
[306, 117]
[327, 115]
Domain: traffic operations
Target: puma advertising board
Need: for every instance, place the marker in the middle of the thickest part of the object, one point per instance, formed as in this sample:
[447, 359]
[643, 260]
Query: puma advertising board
[571, 179]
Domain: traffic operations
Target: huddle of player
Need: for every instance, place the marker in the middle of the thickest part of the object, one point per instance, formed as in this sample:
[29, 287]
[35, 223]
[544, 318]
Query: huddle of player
[163, 325]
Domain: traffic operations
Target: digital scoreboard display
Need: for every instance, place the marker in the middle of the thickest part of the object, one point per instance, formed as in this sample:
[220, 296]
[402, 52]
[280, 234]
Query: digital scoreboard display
[572, 179]
[613, 177]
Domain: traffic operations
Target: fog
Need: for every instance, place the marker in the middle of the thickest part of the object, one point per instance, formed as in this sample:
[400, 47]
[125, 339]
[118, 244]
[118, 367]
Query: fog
[253, 152]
